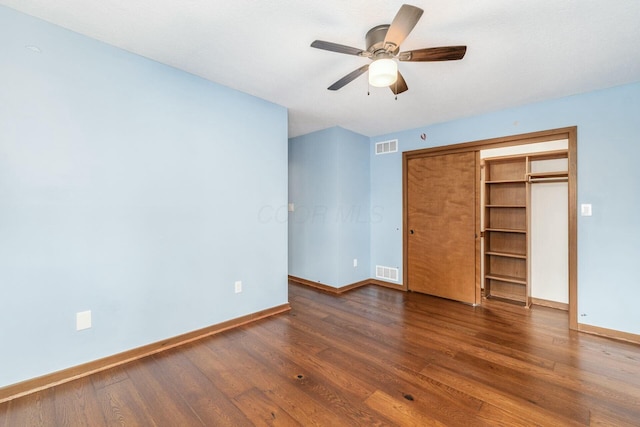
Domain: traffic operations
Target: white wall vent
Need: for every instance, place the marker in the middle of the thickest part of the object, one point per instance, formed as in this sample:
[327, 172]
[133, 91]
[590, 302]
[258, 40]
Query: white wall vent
[387, 273]
[385, 147]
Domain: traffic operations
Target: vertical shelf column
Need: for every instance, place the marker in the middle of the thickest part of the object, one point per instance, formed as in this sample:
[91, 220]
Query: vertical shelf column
[505, 229]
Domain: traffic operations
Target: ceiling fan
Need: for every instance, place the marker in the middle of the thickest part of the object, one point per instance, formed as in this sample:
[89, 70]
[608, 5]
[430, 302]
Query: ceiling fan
[383, 48]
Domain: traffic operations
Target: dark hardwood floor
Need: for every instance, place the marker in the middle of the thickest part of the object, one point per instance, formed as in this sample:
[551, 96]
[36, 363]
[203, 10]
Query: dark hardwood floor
[372, 356]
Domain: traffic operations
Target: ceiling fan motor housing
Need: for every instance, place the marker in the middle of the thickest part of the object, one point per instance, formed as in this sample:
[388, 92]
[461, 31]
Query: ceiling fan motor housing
[375, 40]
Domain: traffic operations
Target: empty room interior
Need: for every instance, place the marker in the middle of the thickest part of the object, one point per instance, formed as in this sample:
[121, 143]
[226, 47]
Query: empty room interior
[319, 213]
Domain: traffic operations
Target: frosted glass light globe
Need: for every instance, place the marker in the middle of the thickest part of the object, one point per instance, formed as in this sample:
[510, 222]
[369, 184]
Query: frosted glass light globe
[383, 72]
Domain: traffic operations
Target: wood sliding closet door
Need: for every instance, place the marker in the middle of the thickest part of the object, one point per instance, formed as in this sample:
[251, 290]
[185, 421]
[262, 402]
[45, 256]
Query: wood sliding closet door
[441, 225]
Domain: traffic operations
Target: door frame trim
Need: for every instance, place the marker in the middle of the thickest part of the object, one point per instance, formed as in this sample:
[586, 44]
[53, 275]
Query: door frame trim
[569, 133]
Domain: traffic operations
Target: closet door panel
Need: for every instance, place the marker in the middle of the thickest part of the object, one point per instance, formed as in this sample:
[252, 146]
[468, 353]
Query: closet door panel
[441, 222]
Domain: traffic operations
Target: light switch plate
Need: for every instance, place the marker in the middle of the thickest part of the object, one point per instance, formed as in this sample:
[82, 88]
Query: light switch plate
[83, 320]
[585, 209]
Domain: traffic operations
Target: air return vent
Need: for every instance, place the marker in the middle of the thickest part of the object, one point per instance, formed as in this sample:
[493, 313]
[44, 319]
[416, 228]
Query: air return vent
[387, 273]
[385, 147]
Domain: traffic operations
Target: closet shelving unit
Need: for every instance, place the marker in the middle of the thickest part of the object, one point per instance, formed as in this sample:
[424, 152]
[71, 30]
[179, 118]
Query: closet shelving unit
[506, 182]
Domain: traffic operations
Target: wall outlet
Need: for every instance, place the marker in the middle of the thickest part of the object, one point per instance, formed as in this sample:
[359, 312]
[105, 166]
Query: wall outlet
[355, 262]
[238, 286]
[83, 320]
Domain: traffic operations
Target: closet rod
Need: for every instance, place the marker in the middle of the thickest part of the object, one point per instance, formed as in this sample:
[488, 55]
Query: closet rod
[550, 179]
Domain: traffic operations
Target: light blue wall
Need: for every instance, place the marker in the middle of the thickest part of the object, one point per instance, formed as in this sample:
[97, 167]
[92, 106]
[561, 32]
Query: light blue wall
[608, 177]
[313, 184]
[130, 189]
[329, 187]
[354, 214]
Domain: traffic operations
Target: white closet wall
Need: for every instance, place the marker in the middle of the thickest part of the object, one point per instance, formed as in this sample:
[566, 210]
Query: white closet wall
[549, 242]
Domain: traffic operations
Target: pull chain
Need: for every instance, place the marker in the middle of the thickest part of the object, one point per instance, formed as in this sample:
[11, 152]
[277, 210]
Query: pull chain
[396, 91]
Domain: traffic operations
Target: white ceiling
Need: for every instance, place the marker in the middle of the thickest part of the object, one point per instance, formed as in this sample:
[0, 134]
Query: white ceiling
[518, 51]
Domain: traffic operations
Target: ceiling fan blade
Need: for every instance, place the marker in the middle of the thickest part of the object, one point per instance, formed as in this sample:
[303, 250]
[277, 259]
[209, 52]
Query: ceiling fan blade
[335, 47]
[406, 18]
[349, 78]
[448, 53]
[399, 86]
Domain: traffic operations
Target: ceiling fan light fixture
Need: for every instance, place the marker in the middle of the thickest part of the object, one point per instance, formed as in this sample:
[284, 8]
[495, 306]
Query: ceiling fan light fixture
[383, 72]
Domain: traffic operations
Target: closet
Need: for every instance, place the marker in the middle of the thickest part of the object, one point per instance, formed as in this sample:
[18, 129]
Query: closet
[525, 246]
[494, 219]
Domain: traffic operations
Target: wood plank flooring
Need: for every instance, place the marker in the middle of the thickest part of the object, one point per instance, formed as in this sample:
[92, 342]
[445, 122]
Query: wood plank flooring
[372, 357]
